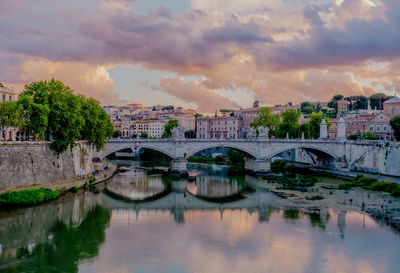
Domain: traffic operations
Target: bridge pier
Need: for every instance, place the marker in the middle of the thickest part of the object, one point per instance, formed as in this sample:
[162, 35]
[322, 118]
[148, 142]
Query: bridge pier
[178, 167]
[257, 165]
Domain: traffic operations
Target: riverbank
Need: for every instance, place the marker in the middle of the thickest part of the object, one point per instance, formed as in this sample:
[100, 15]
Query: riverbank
[63, 185]
[326, 195]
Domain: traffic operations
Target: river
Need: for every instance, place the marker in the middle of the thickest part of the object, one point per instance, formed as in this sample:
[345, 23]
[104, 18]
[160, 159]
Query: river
[217, 222]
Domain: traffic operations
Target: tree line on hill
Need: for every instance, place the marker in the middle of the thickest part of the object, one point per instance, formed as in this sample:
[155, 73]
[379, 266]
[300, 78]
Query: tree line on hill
[288, 123]
[49, 110]
[355, 103]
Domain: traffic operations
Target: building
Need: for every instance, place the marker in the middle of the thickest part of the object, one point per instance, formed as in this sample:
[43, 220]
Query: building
[218, 127]
[7, 94]
[156, 128]
[342, 107]
[187, 121]
[367, 120]
[139, 127]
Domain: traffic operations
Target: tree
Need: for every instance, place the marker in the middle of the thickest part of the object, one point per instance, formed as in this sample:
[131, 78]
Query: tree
[333, 102]
[154, 108]
[168, 107]
[116, 134]
[172, 123]
[306, 129]
[369, 136]
[395, 123]
[97, 124]
[34, 116]
[315, 121]
[225, 111]
[53, 111]
[266, 118]
[377, 100]
[190, 134]
[235, 157]
[10, 116]
[338, 97]
[144, 135]
[307, 107]
[289, 124]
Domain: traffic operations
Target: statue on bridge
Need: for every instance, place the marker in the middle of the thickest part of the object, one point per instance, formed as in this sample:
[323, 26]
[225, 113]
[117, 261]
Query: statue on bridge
[178, 133]
[263, 133]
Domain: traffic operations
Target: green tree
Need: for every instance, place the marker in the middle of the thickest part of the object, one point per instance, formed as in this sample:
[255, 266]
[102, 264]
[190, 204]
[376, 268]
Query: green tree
[144, 135]
[307, 107]
[289, 124]
[306, 129]
[315, 121]
[116, 134]
[395, 123]
[52, 110]
[10, 116]
[333, 102]
[34, 116]
[267, 119]
[97, 124]
[377, 100]
[172, 123]
[369, 136]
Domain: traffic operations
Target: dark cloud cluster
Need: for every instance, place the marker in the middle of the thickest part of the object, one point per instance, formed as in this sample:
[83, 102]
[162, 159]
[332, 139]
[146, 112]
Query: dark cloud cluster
[226, 50]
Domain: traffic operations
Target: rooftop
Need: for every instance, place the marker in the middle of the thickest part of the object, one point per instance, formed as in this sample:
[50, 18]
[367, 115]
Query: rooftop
[7, 90]
[393, 100]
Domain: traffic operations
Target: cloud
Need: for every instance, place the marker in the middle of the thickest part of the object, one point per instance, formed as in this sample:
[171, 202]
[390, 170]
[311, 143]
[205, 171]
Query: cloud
[278, 50]
[206, 99]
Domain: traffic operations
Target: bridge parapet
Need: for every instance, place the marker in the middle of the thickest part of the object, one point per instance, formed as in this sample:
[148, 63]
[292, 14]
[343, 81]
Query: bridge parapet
[258, 151]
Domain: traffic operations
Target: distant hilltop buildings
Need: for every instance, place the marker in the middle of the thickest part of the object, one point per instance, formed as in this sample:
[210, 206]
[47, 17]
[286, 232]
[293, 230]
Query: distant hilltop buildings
[136, 119]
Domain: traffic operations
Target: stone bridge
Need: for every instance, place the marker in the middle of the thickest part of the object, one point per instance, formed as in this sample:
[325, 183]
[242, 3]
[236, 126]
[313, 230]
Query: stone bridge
[258, 151]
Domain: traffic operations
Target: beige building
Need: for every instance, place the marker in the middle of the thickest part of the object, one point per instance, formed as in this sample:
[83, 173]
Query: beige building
[7, 94]
[156, 128]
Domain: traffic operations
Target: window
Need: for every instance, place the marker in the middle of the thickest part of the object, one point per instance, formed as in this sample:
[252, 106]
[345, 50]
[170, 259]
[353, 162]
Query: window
[393, 109]
[378, 128]
[371, 128]
[4, 97]
[385, 128]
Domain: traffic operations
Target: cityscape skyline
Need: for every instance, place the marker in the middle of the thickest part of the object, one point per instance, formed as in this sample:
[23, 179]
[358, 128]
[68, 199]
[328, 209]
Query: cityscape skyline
[203, 55]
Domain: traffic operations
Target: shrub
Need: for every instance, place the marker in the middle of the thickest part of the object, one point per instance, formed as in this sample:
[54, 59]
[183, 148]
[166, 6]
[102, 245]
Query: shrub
[74, 189]
[92, 179]
[219, 160]
[372, 184]
[278, 166]
[28, 197]
[86, 185]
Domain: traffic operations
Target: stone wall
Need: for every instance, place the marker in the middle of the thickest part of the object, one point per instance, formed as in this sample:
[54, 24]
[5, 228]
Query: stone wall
[383, 157]
[29, 163]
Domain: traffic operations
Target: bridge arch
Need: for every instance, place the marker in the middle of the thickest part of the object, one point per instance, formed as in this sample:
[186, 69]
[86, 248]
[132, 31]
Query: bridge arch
[244, 150]
[310, 148]
[136, 147]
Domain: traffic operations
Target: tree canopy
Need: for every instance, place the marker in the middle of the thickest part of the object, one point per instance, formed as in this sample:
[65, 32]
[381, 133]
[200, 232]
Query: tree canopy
[172, 123]
[52, 111]
[267, 119]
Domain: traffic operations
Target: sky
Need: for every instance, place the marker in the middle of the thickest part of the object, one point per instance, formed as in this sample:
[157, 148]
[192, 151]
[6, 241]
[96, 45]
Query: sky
[203, 54]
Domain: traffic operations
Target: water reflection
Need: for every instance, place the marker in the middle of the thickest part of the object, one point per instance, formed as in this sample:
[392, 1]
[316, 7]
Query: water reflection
[54, 238]
[179, 232]
[137, 185]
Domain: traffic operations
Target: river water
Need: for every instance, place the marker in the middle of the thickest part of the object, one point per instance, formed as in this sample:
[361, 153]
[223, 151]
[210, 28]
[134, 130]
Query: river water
[217, 222]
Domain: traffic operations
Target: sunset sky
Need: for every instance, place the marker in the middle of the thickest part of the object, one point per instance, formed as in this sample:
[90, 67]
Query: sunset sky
[203, 54]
